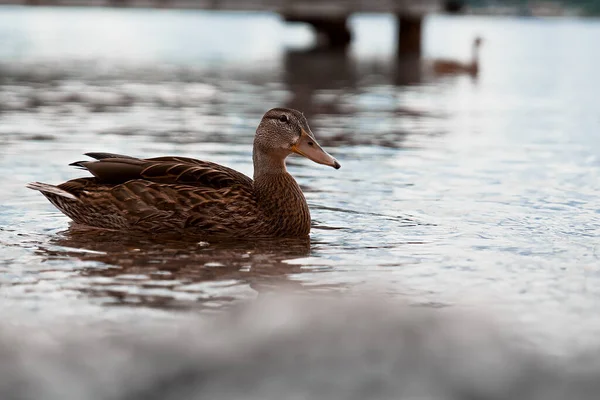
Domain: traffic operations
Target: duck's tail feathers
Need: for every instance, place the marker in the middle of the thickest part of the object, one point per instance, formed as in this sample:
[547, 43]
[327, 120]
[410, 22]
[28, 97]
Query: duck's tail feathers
[51, 189]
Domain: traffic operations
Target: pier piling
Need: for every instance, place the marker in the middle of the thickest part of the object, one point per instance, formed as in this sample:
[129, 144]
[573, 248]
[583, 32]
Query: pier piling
[409, 35]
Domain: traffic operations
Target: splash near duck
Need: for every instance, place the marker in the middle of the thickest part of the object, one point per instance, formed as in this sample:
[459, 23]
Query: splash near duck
[179, 194]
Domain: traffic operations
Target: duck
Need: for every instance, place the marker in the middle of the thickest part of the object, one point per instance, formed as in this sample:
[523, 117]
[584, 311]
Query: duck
[451, 67]
[183, 195]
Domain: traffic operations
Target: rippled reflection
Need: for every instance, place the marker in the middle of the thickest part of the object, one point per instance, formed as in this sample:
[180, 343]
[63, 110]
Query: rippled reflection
[172, 272]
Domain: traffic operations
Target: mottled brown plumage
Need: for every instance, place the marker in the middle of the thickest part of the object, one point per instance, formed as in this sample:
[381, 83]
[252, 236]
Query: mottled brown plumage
[179, 194]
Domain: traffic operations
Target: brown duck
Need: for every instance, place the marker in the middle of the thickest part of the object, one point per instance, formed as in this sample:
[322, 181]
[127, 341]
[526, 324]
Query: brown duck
[451, 67]
[179, 194]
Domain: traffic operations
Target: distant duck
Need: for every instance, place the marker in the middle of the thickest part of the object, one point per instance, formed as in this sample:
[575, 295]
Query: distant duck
[179, 194]
[451, 67]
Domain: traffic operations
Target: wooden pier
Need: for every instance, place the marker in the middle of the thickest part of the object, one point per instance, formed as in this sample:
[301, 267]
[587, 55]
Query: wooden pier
[329, 18]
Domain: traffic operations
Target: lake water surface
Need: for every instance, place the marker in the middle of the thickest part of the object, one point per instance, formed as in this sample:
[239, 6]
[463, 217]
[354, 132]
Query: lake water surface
[453, 191]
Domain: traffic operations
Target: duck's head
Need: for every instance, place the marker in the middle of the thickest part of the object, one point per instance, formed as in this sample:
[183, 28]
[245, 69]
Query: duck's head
[477, 41]
[283, 131]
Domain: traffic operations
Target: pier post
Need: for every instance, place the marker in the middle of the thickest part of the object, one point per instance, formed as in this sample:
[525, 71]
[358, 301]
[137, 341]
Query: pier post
[409, 35]
[334, 30]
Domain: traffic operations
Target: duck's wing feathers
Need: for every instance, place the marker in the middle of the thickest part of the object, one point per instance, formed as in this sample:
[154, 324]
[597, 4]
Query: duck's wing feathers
[116, 169]
[158, 194]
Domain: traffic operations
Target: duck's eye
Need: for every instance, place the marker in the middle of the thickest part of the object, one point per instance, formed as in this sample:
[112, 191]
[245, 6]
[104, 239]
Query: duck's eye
[283, 118]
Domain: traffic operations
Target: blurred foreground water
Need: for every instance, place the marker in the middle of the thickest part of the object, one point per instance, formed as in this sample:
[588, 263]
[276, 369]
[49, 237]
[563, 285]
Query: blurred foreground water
[286, 348]
[453, 191]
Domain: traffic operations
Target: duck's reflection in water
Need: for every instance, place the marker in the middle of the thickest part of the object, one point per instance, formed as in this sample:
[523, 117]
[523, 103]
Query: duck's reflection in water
[177, 272]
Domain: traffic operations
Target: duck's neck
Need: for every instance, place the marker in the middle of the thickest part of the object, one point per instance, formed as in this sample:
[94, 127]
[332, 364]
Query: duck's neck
[267, 164]
[279, 196]
[475, 54]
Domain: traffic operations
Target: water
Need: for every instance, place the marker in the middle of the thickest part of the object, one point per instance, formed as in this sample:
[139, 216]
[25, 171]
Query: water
[266, 353]
[453, 191]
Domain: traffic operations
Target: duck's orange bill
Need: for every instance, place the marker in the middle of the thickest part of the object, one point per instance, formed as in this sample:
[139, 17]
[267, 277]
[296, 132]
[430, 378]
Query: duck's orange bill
[308, 147]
